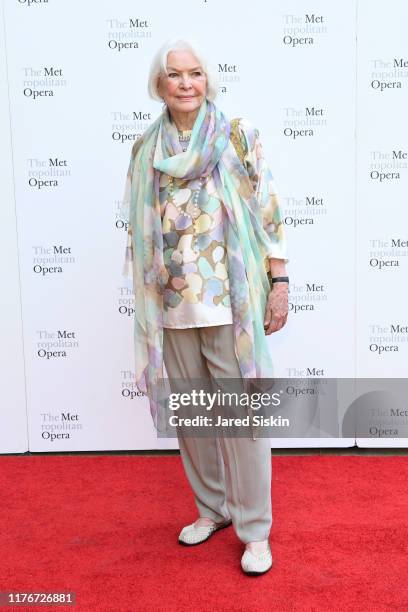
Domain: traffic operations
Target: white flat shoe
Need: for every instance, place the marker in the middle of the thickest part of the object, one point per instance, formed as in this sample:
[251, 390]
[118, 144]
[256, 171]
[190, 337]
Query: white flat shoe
[191, 535]
[254, 565]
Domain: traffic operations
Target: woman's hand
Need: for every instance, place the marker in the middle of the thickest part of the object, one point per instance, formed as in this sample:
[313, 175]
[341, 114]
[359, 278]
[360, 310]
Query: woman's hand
[276, 311]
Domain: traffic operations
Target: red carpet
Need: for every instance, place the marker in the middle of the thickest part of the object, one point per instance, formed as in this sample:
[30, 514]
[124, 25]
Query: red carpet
[106, 528]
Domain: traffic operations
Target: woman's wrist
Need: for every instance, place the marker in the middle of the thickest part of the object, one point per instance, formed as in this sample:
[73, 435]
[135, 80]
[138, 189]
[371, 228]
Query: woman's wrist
[277, 266]
[278, 281]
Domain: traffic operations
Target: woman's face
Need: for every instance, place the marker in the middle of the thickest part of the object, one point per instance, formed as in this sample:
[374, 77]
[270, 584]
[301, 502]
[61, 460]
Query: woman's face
[185, 84]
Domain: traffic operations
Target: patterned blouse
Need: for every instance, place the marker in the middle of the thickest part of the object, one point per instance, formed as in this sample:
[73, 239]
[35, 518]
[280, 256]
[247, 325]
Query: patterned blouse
[197, 291]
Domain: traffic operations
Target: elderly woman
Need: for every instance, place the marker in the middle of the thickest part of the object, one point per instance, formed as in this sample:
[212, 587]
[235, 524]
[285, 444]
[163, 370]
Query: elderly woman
[206, 250]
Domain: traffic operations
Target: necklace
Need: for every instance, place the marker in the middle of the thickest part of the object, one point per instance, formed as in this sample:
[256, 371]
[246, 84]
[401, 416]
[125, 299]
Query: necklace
[196, 211]
[184, 138]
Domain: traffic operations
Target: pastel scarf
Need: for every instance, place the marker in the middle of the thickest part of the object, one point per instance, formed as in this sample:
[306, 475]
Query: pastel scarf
[210, 151]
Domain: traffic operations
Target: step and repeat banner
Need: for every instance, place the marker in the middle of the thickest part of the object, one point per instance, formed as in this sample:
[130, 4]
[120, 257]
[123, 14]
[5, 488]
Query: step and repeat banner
[13, 430]
[381, 217]
[325, 84]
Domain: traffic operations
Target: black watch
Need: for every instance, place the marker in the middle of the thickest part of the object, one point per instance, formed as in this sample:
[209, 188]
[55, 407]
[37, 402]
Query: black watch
[277, 279]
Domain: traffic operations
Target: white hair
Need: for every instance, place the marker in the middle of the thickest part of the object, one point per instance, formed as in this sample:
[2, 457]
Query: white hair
[159, 66]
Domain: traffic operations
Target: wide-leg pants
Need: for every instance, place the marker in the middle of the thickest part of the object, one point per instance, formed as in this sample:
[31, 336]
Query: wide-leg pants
[230, 477]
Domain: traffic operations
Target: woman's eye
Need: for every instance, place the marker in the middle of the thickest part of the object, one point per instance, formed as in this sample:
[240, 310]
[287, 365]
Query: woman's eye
[197, 73]
[172, 74]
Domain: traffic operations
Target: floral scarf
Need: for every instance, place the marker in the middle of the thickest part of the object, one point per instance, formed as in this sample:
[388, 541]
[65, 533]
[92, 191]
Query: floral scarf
[210, 151]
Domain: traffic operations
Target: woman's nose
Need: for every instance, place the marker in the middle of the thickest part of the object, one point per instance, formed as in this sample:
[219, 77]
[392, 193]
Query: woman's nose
[186, 81]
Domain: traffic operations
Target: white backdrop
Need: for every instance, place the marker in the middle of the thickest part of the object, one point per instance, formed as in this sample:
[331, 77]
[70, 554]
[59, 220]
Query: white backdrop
[326, 85]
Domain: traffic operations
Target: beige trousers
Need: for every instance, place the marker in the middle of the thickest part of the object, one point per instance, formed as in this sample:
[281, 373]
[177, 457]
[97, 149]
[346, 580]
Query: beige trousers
[230, 477]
